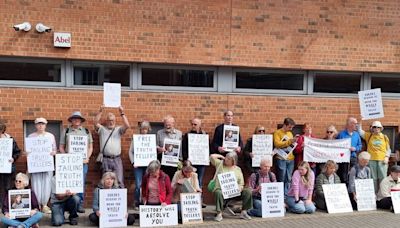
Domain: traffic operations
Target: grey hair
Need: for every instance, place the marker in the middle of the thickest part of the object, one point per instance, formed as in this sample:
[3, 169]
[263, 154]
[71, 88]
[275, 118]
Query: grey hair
[110, 115]
[266, 160]
[145, 124]
[24, 177]
[233, 156]
[364, 155]
[329, 163]
[169, 117]
[153, 166]
[112, 175]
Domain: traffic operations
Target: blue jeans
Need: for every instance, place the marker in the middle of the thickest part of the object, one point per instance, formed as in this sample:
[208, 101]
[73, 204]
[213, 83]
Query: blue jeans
[85, 171]
[138, 173]
[58, 209]
[26, 223]
[201, 169]
[257, 208]
[300, 207]
[284, 171]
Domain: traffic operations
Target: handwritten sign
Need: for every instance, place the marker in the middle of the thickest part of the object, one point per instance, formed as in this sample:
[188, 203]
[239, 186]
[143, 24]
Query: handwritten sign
[6, 145]
[78, 144]
[191, 209]
[261, 148]
[171, 155]
[320, 150]
[395, 195]
[69, 173]
[365, 192]
[371, 104]
[199, 149]
[113, 207]
[39, 158]
[272, 200]
[229, 185]
[337, 198]
[151, 216]
[19, 202]
[112, 95]
[230, 138]
[145, 149]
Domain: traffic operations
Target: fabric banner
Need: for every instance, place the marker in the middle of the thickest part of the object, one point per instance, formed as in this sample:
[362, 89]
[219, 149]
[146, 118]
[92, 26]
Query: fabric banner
[320, 150]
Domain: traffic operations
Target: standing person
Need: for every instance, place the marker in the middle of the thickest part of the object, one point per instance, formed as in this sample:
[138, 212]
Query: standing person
[248, 150]
[6, 178]
[170, 132]
[41, 182]
[217, 142]
[110, 142]
[359, 171]
[390, 183]
[156, 186]
[76, 128]
[330, 134]
[349, 132]
[298, 151]
[327, 176]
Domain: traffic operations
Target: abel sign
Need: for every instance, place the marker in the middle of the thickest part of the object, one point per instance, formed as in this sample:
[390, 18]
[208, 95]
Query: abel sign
[62, 39]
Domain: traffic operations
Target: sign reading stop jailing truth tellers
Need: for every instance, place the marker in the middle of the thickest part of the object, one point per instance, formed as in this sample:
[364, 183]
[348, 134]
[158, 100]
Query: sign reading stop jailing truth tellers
[371, 104]
[39, 154]
[69, 173]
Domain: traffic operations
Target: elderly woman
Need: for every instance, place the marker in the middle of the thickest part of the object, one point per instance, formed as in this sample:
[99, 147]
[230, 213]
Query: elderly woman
[41, 182]
[327, 176]
[299, 199]
[184, 180]
[359, 171]
[22, 182]
[108, 181]
[248, 149]
[156, 186]
[228, 164]
[138, 172]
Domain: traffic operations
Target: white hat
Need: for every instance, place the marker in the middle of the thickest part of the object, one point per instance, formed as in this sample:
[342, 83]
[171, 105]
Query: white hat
[376, 124]
[78, 115]
[40, 120]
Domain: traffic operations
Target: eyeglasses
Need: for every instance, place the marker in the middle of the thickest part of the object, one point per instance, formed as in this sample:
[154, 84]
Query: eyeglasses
[261, 130]
[194, 124]
[375, 127]
[329, 132]
[18, 181]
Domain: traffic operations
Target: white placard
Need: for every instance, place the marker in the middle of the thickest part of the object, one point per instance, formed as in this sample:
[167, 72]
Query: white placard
[150, 216]
[371, 104]
[365, 192]
[62, 39]
[230, 139]
[69, 173]
[191, 209]
[6, 145]
[171, 155]
[261, 148]
[39, 154]
[112, 95]
[321, 150]
[395, 195]
[229, 185]
[19, 202]
[145, 149]
[78, 144]
[272, 200]
[337, 198]
[113, 207]
[199, 149]
[284, 152]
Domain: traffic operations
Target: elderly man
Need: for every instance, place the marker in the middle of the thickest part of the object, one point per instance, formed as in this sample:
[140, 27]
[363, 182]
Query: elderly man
[110, 142]
[76, 129]
[390, 183]
[358, 171]
[217, 142]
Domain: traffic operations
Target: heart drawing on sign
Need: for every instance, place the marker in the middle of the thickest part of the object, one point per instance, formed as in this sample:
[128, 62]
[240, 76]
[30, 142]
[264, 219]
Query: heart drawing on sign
[341, 154]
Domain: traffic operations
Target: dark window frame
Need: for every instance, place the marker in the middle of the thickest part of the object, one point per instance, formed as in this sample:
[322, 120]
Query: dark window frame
[336, 73]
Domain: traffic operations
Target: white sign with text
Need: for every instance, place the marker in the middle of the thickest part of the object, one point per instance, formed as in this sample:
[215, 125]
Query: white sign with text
[69, 173]
[151, 216]
[199, 149]
[191, 209]
[230, 139]
[39, 157]
[371, 104]
[170, 157]
[112, 95]
[261, 148]
[78, 144]
[145, 149]
[113, 207]
[19, 202]
[365, 192]
[337, 198]
[229, 185]
[6, 145]
[321, 150]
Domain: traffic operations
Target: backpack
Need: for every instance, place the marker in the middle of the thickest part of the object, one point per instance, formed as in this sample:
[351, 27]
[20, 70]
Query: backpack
[258, 178]
[357, 168]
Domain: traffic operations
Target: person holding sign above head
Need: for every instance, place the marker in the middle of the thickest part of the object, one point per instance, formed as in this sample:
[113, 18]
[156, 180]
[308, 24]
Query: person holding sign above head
[327, 176]
[390, 183]
[220, 131]
[248, 150]
[156, 186]
[359, 171]
[110, 142]
[21, 182]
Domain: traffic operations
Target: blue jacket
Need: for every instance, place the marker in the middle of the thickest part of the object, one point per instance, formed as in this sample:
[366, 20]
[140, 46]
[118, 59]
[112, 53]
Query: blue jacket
[355, 141]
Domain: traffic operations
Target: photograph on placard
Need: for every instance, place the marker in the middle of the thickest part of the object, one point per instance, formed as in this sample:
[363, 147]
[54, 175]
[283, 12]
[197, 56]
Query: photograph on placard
[171, 155]
[230, 137]
[19, 203]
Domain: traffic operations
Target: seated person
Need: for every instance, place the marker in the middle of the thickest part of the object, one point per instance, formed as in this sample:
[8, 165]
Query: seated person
[359, 171]
[156, 186]
[186, 174]
[388, 184]
[327, 176]
[21, 182]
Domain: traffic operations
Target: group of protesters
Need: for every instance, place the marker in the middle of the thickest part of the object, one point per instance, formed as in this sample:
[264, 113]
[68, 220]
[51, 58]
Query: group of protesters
[157, 184]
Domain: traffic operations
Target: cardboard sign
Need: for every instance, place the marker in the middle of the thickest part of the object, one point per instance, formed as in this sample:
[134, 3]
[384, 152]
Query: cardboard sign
[145, 149]
[229, 185]
[69, 173]
[262, 146]
[272, 200]
[230, 139]
[6, 145]
[19, 202]
[112, 95]
[371, 104]
[78, 144]
[199, 149]
[113, 207]
[337, 198]
[39, 158]
[171, 155]
[395, 195]
[365, 191]
[191, 209]
[321, 150]
[151, 216]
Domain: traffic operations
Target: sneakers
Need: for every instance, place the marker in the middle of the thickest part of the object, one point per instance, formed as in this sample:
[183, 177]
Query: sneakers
[73, 221]
[245, 216]
[46, 210]
[218, 217]
[230, 211]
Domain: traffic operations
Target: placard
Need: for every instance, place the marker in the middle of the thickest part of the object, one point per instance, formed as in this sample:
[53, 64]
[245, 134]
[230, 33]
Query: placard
[171, 155]
[151, 216]
[112, 95]
[6, 145]
[371, 104]
[229, 185]
[230, 139]
[284, 152]
[272, 200]
[395, 195]
[199, 149]
[69, 173]
[39, 154]
[337, 198]
[113, 207]
[78, 144]
[191, 209]
[19, 202]
[365, 192]
[321, 150]
[262, 146]
[145, 149]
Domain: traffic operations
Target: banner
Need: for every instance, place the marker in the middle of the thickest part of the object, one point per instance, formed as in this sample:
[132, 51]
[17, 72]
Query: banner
[395, 195]
[19, 202]
[262, 148]
[272, 200]
[39, 157]
[145, 149]
[337, 198]
[365, 192]
[199, 149]
[191, 209]
[151, 216]
[371, 104]
[171, 155]
[69, 173]
[230, 139]
[229, 185]
[320, 150]
[113, 207]
[78, 144]
[112, 95]
[6, 145]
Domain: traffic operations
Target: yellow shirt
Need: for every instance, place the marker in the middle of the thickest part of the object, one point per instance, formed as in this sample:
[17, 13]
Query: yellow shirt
[377, 145]
[282, 140]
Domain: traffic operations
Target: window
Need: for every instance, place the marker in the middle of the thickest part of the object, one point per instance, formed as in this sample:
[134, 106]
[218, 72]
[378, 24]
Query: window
[30, 71]
[387, 83]
[53, 126]
[269, 80]
[337, 82]
[391, 132]
[98, 73]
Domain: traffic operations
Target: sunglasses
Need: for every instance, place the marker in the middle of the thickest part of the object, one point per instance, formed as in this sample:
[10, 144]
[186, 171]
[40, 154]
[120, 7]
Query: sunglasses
[261, 130]
[18, 181]
[375, 127]
[329, 132]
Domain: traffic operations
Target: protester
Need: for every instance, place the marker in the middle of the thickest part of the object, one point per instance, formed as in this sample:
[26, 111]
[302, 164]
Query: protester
[248, 150]
[327, 176]
[217, 142]
[330, 134]
[359, 171]
[156, 186]
[298, 151]
[184, 181]
[388, 184]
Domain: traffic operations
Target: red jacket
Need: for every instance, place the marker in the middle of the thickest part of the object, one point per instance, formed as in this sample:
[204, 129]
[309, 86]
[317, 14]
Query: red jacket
[298, 151]
[164, 186]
